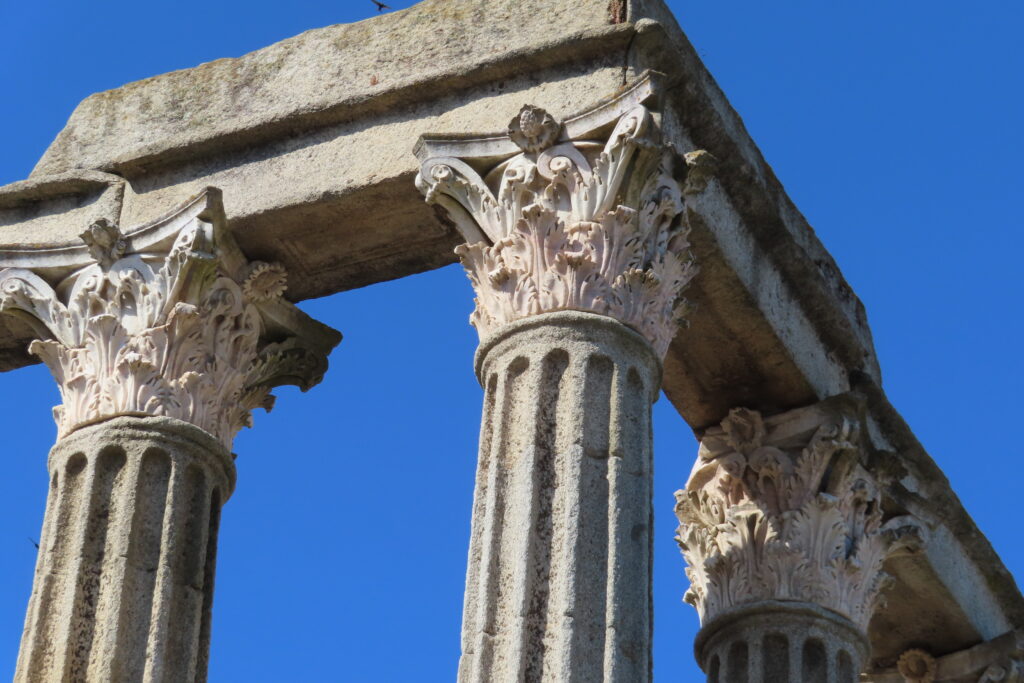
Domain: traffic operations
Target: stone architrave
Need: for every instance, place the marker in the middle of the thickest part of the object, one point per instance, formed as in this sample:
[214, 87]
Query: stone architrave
[785, 535]
[162, 341]
[577, 259]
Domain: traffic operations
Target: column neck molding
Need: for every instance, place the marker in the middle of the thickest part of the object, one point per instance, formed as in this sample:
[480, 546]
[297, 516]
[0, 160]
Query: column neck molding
[169, 429]
[568, 327]
[576, 215]
[169, 320]
[783, 509]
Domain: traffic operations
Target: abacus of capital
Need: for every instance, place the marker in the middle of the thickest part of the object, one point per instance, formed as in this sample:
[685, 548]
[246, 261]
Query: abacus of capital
[151, 259]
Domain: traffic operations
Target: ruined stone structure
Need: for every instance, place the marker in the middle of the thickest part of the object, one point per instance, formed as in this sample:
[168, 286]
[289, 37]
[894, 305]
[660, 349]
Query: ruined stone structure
[149, 256]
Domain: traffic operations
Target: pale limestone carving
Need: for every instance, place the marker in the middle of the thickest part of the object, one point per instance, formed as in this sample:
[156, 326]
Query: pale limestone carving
[917, 666]
[534, 130]
[781, 509]
[265, 281]
[168, 331]
[1009, 671]
[105, 242]
[124, 584]
[558, 587]
[571, 224]
[1007, 666]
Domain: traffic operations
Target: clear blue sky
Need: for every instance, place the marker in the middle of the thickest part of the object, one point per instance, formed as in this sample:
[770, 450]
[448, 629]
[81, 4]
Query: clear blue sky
[896, 128]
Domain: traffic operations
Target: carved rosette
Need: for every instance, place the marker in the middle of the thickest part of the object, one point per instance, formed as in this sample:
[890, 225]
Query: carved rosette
[916, 666]
[782, 509]
[587, 225]
[172, 332]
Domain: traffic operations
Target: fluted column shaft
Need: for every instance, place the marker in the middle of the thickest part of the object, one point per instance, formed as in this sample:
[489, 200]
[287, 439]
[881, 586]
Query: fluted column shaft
[558, 586]
[781, 642]
[124, 581]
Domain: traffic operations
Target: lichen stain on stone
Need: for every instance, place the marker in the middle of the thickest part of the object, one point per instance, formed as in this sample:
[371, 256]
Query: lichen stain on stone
[616, 11]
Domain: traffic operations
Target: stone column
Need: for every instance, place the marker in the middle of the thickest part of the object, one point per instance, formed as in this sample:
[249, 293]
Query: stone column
[785, 534]
[577, 262]
[162, 341]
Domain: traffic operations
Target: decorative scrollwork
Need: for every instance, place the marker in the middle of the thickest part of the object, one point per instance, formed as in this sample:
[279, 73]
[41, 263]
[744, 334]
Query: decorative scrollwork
[782, 510]
[140, 334]
[580, 225]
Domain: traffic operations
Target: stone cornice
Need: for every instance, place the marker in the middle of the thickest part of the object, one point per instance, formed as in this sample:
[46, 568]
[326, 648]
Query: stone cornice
[581, 217]
[168, 320]
[783, 509]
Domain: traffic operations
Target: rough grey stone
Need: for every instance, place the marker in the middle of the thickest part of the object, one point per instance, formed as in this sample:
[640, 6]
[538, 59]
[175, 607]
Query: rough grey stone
[321, 76]
[781, 642]
[558, 585]
[998, 659]
[307, 181]
[124, 581]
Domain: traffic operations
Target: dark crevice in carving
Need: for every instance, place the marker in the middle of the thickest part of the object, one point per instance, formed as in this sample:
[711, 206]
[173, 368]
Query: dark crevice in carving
[591, 570]
[187, 572]
[737, 664]
[141, 568]
[775, 658]
[498, 610]
[109, 465]
[209, 565]
[815, 661]
[545, 481]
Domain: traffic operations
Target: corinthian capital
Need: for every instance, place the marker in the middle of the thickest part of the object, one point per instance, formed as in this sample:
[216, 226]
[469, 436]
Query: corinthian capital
[169, 319]
[580, 215]
[783, 509]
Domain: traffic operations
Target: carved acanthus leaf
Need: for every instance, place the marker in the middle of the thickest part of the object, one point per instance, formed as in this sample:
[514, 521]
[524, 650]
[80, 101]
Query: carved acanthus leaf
[171, 334]
[581, 225]
[767, 515]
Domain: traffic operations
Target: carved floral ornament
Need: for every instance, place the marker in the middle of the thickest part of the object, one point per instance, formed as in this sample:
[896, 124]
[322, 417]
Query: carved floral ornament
[169, 331]
[917, 666]
[586, 225]
[783, 510]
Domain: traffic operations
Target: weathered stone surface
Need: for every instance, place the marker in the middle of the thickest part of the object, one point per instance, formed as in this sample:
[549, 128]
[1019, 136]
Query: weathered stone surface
[320, 77]
[558, 585]
[124, 581]
[786, 509]
[781, 642]
[169, 319]
[1000, 659]
[301, 190]
[776, 326]
[576, 220]
[574, 248]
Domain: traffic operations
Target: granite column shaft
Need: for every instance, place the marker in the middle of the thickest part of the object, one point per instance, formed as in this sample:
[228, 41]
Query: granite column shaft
[162, 342]
[124, 581]
[558, 585]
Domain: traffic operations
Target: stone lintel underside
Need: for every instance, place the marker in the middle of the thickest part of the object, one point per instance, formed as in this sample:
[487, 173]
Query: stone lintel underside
[311, 142]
